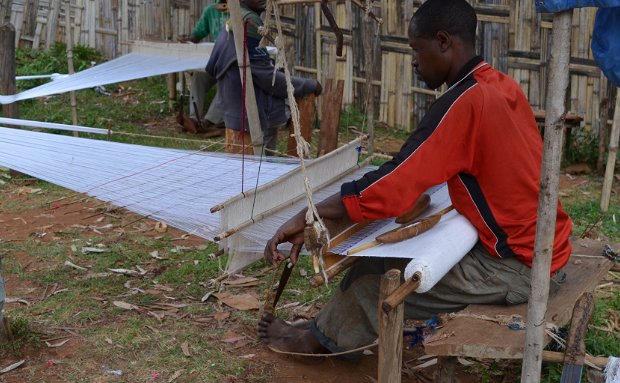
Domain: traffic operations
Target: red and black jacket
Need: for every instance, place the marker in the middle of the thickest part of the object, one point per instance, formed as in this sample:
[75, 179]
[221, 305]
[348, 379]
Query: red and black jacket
[481, 137]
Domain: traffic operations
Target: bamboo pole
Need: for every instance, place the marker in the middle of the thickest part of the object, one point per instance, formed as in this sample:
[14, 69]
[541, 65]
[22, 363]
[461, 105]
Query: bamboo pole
[611, 156]
[390, 332]
[548, 200]
[7, 63]
[250, 97]
[369, 31]
[71, 69]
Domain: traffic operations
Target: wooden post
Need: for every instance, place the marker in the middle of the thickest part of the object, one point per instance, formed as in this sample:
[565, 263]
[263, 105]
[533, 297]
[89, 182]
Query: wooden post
[611, 156]
[306, 116]
[7, 63]
[390, 332]
[250, 97]
[330, 122]
[371, 50]
[446, 366]
[548, 200]
[69, 37]
[52, 23]
[5, 11]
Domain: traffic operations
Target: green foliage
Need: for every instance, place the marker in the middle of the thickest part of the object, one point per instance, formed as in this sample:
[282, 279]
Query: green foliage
[22, 336]
[582, 148]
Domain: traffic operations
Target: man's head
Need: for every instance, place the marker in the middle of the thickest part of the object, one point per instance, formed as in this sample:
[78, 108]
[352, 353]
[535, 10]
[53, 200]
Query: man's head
[442, 34]
[257, 6]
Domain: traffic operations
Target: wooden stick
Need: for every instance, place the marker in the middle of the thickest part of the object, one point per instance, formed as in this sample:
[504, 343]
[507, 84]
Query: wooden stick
[398, 296]
[548, 199]
[363, 247]
[390, 332]
[338, 267]
[558, 357]
[614, 137]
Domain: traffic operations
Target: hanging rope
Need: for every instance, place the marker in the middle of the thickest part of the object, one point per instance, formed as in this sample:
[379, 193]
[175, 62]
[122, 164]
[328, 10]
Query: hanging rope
[315, 228]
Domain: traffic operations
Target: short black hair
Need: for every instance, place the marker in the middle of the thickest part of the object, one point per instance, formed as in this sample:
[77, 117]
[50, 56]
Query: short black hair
[456, 17]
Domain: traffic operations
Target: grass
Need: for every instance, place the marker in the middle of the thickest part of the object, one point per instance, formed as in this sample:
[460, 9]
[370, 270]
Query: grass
[138, 342]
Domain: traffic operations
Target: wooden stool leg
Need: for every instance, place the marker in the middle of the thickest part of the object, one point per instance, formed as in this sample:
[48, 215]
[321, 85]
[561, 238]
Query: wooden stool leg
[445, 369]
[390, 332]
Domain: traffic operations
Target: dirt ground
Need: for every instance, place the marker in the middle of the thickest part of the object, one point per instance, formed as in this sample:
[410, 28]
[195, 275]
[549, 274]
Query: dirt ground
[50, 364]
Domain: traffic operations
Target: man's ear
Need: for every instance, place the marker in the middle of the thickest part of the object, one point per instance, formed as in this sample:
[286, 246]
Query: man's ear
[445, 40]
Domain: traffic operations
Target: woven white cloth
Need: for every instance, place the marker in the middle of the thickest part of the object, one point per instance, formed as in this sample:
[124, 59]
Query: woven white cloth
[612, 370]
[434, 252]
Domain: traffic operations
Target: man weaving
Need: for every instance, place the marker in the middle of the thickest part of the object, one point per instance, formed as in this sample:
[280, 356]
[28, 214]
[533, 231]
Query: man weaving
[481, 138]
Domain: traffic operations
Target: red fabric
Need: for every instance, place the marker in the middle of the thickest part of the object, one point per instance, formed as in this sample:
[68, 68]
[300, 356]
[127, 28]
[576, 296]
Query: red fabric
[481, 137]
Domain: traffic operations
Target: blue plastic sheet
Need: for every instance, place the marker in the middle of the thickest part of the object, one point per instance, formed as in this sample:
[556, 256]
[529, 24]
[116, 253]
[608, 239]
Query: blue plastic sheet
[553, 6]
[606, 43]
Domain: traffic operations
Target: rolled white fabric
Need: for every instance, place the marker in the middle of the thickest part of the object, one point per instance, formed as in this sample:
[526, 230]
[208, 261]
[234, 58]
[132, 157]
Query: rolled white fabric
[440, 249]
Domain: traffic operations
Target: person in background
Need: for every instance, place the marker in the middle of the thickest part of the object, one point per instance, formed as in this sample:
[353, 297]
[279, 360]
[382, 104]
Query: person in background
[270, 91]
[212, 21]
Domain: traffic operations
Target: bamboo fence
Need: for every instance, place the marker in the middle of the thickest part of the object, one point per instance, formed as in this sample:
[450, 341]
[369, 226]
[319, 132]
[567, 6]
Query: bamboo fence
[511, 36]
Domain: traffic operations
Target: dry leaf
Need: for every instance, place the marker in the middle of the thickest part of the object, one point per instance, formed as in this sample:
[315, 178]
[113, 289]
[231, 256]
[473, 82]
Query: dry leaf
[12, 367]
[242, 302]
[175, 375]
[59, 344]
[161, 227]
[125, 305]
[185, 349]
[71, 264]
[17, 300]
[220, 316]
[93, 250]
[233, 339]
[245, 281]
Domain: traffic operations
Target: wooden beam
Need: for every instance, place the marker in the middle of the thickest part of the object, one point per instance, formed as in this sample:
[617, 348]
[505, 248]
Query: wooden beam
[7, 63]
[250, 97]
[614, 137]
[390, 332]
[548, 199]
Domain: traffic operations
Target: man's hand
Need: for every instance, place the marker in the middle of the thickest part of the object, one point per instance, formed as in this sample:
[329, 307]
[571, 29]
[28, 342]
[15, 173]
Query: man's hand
[292, 231]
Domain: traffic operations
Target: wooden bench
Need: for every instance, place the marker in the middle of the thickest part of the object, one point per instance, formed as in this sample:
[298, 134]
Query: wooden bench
[468, 335]
[571, 120]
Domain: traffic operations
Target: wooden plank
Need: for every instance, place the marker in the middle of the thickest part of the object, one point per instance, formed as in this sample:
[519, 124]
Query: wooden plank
[330, 122]
[478, 338]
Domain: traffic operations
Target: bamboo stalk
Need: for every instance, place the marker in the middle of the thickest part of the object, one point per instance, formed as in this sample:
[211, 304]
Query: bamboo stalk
[71, 69]
[614, 137]
[548, 200]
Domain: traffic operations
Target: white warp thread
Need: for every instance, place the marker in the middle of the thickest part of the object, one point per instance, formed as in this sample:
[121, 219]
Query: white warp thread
[612, 370]
[132, 66]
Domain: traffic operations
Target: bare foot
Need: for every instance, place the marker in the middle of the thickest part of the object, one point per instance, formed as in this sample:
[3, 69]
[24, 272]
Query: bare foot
[286, 337]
